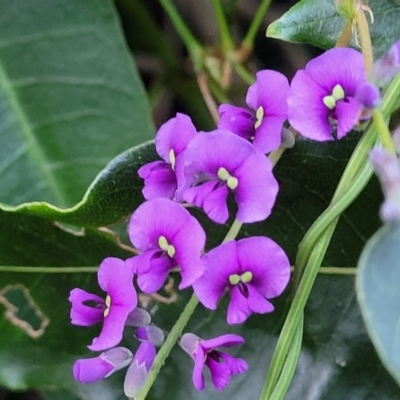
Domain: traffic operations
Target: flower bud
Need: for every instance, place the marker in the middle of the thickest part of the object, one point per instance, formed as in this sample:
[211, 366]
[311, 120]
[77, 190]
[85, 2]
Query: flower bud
[385, 69]
[369, 96]
[138, 317]
[346, 8]
[150, 333]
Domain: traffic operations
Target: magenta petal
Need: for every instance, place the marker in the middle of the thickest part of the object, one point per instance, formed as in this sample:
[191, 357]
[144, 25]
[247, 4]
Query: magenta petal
[269, 134]
[198, 377]
[146, 353]
[153, 278]
[160, 180]
[347, 113]
[306, 110]
[197, 195]
[236, 365]
[91, 369]
[155, 218]
[268, 263]
[175, 134]
[258, 303]
[220, 263]
[215, 205]
[269, 91]
[237, 120]
[238, 309]
[113, 328]
[115, 278]
[220, 373]
[344, 66]
[81, 314]
[227, 340]
[257, 189]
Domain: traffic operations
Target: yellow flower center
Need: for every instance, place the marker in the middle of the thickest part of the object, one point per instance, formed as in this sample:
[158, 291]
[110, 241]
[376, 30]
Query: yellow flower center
[172, 158]
[230, 180]
[259, 117]
[331, 100]
[164, 245]
[246, 277]
[108, 304]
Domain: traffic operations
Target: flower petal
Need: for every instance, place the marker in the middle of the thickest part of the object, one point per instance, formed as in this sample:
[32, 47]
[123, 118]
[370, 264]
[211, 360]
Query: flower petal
[81, 314]
[90, 370]
[238, 309]
[198, 194]
[257, 189]
[258, 303]
[145, 354]
[215, 205]
[198, 377]
[306, 111]
[236, 365]
[237, 120]
[269, 134]
[268, 263]
[175, 134]
[347, 113]
[227, 340]
[160, 180]
[220, 373]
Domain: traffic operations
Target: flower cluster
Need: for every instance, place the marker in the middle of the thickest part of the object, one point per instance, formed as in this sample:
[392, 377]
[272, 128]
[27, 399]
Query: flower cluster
[206, 170]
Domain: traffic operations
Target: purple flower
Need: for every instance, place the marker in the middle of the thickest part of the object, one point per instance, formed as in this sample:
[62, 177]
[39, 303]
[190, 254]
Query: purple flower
[385, 69]
[217, 163]
[369, 96]
[252, 270]
[221, 365]
[115, 278]
[138, 371]
[267, 97]
[90, 370]
[150, 333]
[168, 236]
[172, 138]
[324, 93]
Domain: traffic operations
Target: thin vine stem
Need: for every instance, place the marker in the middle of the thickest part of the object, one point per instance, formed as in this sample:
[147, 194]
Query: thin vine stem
[345, 36]
[223, 27]
[248, 40]
[365, 38]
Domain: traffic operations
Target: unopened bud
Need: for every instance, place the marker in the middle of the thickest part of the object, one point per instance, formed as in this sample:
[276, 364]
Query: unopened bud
[385, 69]
[151, 333]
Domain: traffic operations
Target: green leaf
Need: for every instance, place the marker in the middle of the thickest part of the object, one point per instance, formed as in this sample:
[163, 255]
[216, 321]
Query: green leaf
[113, 195]
[378, 275]
[317, 22]
[38, 344]
[70, 98]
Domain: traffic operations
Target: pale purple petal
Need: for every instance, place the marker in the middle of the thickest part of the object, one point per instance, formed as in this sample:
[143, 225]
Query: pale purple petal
[344, 66]
[115, 278]
[348, 113]
[90, 370]
[227, 340]
[81, 314]
[237, 120]
[198, 377]
[155, 218]
[189, 343]
[220, 373]
[306, 111]
[268, 263]
[269, 91]
[138, 317]
[151, 333]
[369, 96]
[135, 378]
[269, 134]
[238, 309]
[145, 354]
[236, 365]
[175, 134]
[160, 180]
[220, 263]
[257, 189]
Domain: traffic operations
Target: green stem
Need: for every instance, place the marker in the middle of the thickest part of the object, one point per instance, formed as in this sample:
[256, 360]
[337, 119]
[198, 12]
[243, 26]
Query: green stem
[244, 73]
[344, 38]
[169, 343]
[233, 231]
[366, 45]
[48, 270]
[226, 38]
[383, 131]
[248, 41]
[194, 47]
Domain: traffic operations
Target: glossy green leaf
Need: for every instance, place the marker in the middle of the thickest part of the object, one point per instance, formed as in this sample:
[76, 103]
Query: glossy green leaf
[378, 275]
[317, 22]
[70, 98]
[41, 355]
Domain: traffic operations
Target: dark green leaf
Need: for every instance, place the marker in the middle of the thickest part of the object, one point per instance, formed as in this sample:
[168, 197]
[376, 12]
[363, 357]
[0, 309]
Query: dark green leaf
[378, 293]
[70, 98]
[317, 22]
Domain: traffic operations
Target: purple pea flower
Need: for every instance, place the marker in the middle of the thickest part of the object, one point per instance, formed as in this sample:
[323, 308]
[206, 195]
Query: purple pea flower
[324, 93]
[217, 163]
[171, 139]
[267, 98]
[221, 365]
[252, 270]
[168, 236]
[385, 69]
[138, 371]
[115, 278]
[90, 370]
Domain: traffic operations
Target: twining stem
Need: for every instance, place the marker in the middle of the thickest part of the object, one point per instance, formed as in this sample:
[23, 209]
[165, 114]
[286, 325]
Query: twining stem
[244, 73]
[344, 38]
[194, 47]
[366, 45]
[208, 99]
[248, 40]
[226, 38]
